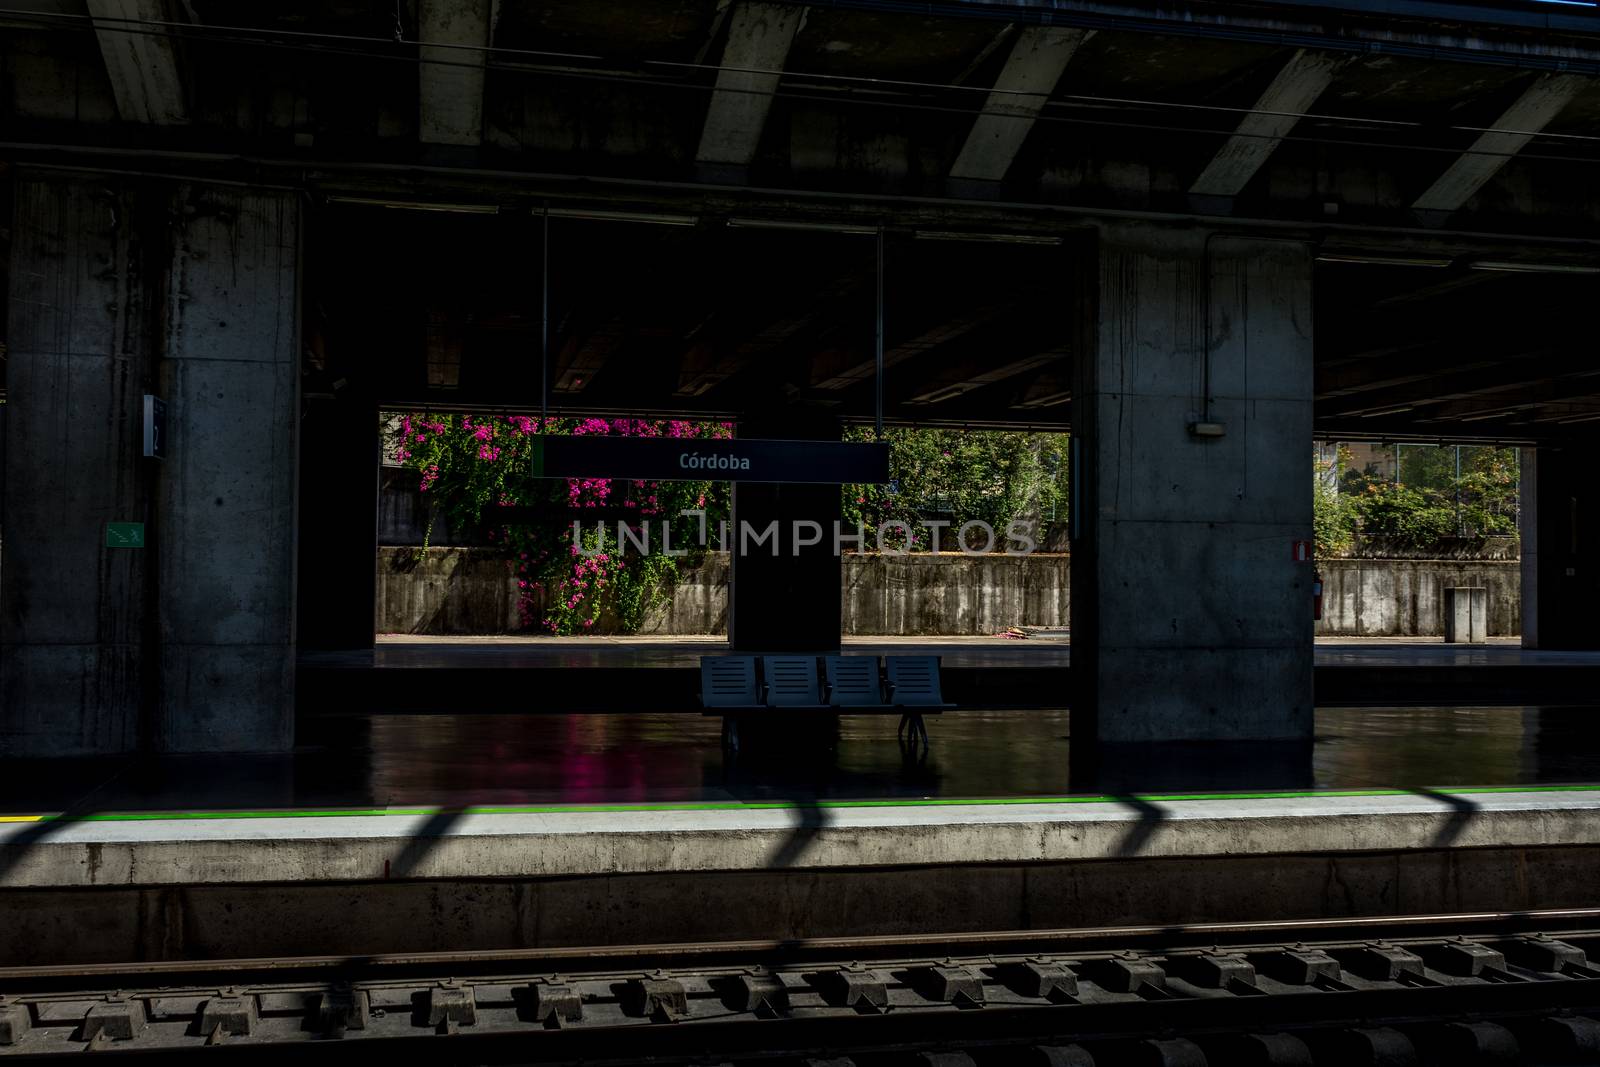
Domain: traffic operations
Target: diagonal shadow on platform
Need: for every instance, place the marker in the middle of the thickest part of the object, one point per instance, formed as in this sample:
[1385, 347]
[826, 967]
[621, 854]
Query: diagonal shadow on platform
[1150, 819]
[1463, 810]
[423, 840]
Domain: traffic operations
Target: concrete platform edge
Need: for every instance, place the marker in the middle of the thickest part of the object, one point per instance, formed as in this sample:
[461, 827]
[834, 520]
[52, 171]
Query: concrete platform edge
[69, 854]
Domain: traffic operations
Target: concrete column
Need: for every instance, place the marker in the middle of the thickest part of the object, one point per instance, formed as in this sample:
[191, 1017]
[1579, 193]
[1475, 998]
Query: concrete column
[1560, 548]
[185, 644]
[72, 611]
[785, 597]
[227, 491]
[339, 524]
[1191, 619]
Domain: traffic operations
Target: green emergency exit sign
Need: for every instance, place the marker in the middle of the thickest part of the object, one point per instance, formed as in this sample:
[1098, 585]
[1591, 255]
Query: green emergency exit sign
[124, 535]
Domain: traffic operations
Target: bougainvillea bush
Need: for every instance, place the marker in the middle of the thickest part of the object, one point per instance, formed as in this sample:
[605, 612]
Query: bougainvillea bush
[471, 465]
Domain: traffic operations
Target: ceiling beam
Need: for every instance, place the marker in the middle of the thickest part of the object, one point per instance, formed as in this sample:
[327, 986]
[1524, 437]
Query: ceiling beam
[1020, 92]
[1048, 390]
[1291, 94]
[1513, 378]
[1467, 279]
[706, 365]
[958, 382]
[1556, 395]
[931, 338]
[759, 36]
[1540, 103]
[1388, 369]
[140, 60]
[455, 35]
[581, 358]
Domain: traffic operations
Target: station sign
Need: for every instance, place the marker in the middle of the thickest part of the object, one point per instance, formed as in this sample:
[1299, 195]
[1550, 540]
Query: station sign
[731, 460]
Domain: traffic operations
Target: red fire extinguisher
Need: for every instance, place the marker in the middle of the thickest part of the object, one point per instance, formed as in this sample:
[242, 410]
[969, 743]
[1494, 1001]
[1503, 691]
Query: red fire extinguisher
[1316, 598]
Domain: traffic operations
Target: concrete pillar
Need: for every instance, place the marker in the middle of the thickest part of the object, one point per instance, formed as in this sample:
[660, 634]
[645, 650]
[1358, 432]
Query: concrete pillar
[784, 596]
[1560, 529]
[1191, 618]
[72, 611]
[227, 491]
[185, 644]
[337, 567]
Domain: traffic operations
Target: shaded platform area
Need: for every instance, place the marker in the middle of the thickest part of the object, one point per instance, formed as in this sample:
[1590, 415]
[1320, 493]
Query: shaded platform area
[397, 833]
[475, 757]
[642, 674]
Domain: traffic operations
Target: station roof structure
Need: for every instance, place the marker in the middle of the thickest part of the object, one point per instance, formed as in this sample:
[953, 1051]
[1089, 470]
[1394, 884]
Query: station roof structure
[1440, 157]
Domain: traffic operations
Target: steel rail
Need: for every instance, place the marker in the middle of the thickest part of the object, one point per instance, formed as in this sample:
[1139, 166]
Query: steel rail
[1497, 978]
[743, 952]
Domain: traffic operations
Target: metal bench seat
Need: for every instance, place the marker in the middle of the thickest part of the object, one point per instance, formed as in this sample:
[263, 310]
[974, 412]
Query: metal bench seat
[914, 683]
[914, 690]
[854, 684]
[731, 688]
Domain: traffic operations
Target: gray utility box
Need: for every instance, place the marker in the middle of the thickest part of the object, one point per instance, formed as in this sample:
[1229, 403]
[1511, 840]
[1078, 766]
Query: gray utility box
[1466, 615]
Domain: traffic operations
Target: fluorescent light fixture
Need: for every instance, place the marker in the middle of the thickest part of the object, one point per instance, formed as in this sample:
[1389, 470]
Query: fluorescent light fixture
[1572, 420]
[1389, 411]
[1485, 416]
[996, 238]
[1378, 259]
[605, 215]
[1533, 268]
[419, 205]
[795, 224]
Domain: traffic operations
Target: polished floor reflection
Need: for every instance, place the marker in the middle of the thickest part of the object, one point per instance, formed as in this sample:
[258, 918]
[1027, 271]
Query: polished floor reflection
[497, 759]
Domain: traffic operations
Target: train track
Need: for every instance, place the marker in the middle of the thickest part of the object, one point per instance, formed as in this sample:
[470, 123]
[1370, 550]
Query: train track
[1447, 989]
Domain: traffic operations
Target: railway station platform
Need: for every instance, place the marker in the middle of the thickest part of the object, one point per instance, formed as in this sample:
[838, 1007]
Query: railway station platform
[424, 833]
[427, 674]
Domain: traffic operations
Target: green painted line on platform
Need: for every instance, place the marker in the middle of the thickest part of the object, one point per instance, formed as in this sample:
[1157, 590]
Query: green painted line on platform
[775, 805]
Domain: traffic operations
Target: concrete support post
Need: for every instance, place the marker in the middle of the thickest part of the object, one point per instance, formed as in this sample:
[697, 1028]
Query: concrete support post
[227, 493]
[785, 589]
[71, 609]
[182, 642]
[1191, 613]
[1560, 548]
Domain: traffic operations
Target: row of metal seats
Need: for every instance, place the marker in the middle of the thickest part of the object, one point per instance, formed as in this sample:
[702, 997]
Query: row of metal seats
[732, 687]
[853, 684]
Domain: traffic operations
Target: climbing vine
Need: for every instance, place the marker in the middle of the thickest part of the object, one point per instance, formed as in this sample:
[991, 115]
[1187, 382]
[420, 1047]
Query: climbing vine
[572, 575]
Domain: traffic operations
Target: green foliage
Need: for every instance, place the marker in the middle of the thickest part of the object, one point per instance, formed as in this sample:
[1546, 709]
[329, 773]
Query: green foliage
[960, 476]
[1429, 504]
[1408, 516]
[1332, 515]
[567, 583]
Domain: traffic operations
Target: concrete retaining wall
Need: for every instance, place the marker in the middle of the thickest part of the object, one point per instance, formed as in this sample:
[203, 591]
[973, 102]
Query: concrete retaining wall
[954, 594]
[1405, 597]
[472, 591]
